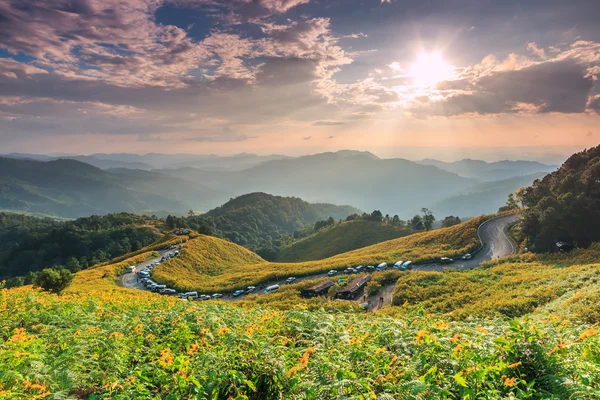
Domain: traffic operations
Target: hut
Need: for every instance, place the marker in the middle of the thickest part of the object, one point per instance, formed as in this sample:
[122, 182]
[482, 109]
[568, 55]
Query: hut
[353, 288]
[320, 289]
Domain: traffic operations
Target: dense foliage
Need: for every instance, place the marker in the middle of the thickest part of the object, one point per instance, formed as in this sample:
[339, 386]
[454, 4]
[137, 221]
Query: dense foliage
[100, 341]
[565, 205]
[511, 287]
[29, 244]
[209, 264]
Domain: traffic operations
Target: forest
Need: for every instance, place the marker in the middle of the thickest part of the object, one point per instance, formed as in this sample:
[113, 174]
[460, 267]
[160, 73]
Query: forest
[29, 244]
[564, 205]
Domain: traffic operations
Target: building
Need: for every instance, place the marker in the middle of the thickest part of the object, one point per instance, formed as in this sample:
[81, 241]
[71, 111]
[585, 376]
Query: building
[320, 289]
[353, 288]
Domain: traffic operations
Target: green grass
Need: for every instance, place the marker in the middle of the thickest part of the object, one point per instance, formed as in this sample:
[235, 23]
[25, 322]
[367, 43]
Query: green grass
[340, 238]
[208, 264]
[512, 287]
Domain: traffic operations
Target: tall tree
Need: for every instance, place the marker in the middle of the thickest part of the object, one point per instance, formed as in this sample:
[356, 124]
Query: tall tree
[428, 218]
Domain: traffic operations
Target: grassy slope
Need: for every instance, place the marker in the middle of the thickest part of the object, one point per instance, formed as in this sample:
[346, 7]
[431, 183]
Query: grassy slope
[340, 238]
[102, 341]
[512, 287]
[209, 264]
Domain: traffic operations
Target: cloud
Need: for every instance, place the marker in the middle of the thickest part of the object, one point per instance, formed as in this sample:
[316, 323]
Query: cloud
[150, 138]
[532, 46]
[307, 138]
[226, 135]
[328, 123]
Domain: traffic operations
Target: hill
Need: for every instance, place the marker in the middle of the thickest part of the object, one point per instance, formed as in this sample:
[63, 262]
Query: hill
[481, 198]
[265, 222]
[236, 267]
[490, 171]
[82, 344]
[356, 178]
[340, 238]
[564, 205]
[69, 188]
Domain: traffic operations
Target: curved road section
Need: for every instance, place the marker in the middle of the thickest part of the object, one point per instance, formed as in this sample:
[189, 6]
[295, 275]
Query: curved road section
[492, 233]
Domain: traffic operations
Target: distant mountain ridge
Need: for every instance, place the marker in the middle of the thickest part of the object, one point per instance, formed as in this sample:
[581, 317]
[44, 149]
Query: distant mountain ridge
[490, 171]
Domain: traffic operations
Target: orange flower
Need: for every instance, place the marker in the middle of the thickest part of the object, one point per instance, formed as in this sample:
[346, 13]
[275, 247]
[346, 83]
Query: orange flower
[483, 330]
[589, 333]
[193, 349]
[455, 338]
[515, 365]
[458, 349]
[224, 330]
[421, 334]
[292, 371]
[166, 357]
[380, 350]
[306, 356]
[510, 382]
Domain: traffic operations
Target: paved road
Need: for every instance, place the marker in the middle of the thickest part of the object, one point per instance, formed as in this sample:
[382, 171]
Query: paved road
[492, 233]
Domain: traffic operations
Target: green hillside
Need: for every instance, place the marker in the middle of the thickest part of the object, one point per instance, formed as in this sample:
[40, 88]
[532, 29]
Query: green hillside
[263, 222]
[208, 264]
[340, 238]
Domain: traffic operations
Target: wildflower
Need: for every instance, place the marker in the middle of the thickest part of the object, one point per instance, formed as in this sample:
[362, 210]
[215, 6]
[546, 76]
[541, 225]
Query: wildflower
[483, 330]
[455, 338]
[150, 336]
[589, 333]
[139, 328]
[19, 335]
[306, 356]
[441, 325]
[510, 382]
[380, 350]
[394, 359]
[116, 335]
[292, 371]
[193, 349]
[458, 349]
[166, 357]
[421, 334]
[205, 331]
[77, 333]
[224, 330]
[515, 365]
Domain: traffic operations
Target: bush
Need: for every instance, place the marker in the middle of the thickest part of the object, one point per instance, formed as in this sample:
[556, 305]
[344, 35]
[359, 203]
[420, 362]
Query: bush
[54, 280]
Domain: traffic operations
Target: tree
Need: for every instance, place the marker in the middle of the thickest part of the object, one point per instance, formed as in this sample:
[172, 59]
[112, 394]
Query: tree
[73, 265]
[54, 280]
[170, 221]
[519, 196]
[376, 216]
[191, 213]
[428, 218]
[450, 221]
[416, 223]
[511, 203]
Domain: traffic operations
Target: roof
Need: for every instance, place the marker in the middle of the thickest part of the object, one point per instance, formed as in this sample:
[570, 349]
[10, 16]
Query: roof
[321, 285]
[356, 283]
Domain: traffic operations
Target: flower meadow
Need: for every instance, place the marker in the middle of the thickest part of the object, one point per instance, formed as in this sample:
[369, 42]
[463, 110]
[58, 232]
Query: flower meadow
[114, 343]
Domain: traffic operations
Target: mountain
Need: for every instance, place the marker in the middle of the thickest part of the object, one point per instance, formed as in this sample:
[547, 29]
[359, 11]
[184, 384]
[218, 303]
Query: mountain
[107, 164]
[481, 198]
[69, 188]
[394, 186]
[484, 171]
[340, 238]
[263, 221]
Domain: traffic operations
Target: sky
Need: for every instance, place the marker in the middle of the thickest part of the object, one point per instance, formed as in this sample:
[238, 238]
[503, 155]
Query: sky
[411, 78]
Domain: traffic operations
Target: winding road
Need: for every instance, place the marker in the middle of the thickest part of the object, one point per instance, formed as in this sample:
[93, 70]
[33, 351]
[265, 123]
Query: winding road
[492, 234]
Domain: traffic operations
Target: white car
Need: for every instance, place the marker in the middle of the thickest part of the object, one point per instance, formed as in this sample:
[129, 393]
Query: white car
[467, 256]
[332, 272]
[290, 279]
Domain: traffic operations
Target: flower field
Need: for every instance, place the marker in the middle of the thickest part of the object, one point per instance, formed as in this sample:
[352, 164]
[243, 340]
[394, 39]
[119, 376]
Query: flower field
[125, 344]
[208, 264]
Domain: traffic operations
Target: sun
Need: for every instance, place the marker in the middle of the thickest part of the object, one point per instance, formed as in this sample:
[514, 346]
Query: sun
[429, 69]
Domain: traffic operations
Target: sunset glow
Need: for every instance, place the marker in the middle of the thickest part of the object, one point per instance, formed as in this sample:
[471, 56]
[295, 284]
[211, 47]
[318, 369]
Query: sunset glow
[430, 69]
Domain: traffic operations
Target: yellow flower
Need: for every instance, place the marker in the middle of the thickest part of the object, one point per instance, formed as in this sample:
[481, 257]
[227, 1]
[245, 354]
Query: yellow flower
[150, 336]
[441, 325]
[483, 330]
[77, 333]
[224, 330]
[166, 357]
[589, 333]
[455, 338]
[292, 371]
[380, 350]
[306, 356]
[421, 334]
[515, 365]
[116, 335]
[204, 331]
[193, 349]
[458, 349]
[139, 328]
[510, 382]
[394, 359]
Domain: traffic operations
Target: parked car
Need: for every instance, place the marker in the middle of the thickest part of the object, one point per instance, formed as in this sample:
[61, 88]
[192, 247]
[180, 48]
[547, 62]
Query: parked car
[272, 288]
[398, 264]
[359, 268]
[238, 293]
[217, 296]
[156, 288]
[382, 266]
[290, 279]
[407, 265]
[190, 295]
[203, 297]
[349, 270]
[168, 292]
[446, 260]
[370, 268]
[332, 272]
[250, 289]
[131, 268]
[467, 256]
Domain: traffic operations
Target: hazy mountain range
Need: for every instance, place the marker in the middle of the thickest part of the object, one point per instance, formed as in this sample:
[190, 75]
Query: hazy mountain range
[71, 186]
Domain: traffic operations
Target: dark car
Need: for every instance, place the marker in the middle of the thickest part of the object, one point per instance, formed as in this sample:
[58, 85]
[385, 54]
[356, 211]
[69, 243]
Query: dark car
[564, 247]
[446, 260]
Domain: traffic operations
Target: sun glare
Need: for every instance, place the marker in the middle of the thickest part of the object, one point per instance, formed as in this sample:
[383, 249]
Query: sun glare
[429, 69]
